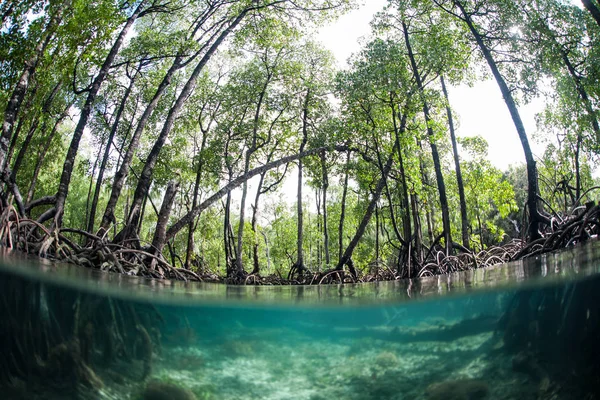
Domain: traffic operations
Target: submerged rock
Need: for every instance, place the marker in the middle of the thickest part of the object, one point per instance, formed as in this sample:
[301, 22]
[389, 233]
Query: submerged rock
[386, 359]
[461, 389]
[156, 390]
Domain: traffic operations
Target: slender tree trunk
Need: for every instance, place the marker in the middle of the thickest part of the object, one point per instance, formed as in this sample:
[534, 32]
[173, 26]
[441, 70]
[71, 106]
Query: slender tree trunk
[376, 234]
[255, 211]
[17, 132]
[343, 209]
[577, 169]
[434, 151]
[23, 150]
[532, 181]
[347, 256]
[325, 228]
[91, 185]
[414, 202]
[249, 152]
[227, 236]
[123, 171]
[69, 164]
[593, 8]
[42, 155]
[299, 265]
[184, 220]
[14, 103]
[464, 221]
[191, 226]
[589, 108]
[398, 131]
[148, 169]
[159, 239]
[318, 199]
[105, 157]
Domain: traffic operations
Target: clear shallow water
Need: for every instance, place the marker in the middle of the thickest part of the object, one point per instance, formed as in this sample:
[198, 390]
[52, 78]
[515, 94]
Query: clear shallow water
[521, 331]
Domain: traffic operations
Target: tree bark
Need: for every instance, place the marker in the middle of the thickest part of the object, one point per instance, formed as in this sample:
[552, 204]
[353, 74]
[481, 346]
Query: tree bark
[158, 241]
[14, 103]
[347, 256]
[106, 155]
[148, 169]
[594, 9]
[69, 164]
[42, 155]
[23, 150]
[255, 209]
[464, 221]
[299, 264]
[249, 152]
[343, 209]
[123, 171]
[325, 229]
[183, 221]
[532, 181]
[199, 169]
[434, 151]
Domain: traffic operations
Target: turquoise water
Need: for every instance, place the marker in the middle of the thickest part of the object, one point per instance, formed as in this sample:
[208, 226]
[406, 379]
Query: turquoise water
[520, 331]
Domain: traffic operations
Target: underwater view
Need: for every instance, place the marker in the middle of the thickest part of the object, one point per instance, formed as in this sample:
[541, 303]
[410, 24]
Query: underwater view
[533, 335]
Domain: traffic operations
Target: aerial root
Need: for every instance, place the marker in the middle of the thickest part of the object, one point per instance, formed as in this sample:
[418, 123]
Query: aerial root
[581, 224]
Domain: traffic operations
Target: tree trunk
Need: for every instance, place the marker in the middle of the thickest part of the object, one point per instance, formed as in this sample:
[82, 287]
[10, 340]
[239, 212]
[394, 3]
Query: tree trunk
[346, 258]
[14, 103]
[227, 246]
[106, 155]
[532, 181]
[325, 229]
[183, 221]
[594, 9]
[69, 164]
[464, 221]
[249, 152]
[22, 151]
[148, 169]
[343, 209]
[123, 171]
[42, 155]
[434, 151]
[299, 265]
[158, 241]
[255, 210]
[191, 226]
[414, 202]
[398, 131]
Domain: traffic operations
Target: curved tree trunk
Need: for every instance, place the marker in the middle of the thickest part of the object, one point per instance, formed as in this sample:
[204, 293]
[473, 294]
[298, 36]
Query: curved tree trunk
[434, 151]
[299, 264]
[343, 209]
[14, 103]
[325, 229]
[111, 136]
[148, 169]
[69, 164]
[42, 155]
[593, 8]
[158, 241]
[347, 256]
[183, 221]
[532, 181]
[123, 171]
[464, 221]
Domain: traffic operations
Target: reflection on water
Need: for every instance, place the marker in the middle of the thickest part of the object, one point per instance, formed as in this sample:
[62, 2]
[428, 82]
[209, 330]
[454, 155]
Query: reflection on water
[523, 331]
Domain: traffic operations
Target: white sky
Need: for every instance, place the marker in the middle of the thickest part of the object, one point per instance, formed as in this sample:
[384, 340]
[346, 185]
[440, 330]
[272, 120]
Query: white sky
[479, 110]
